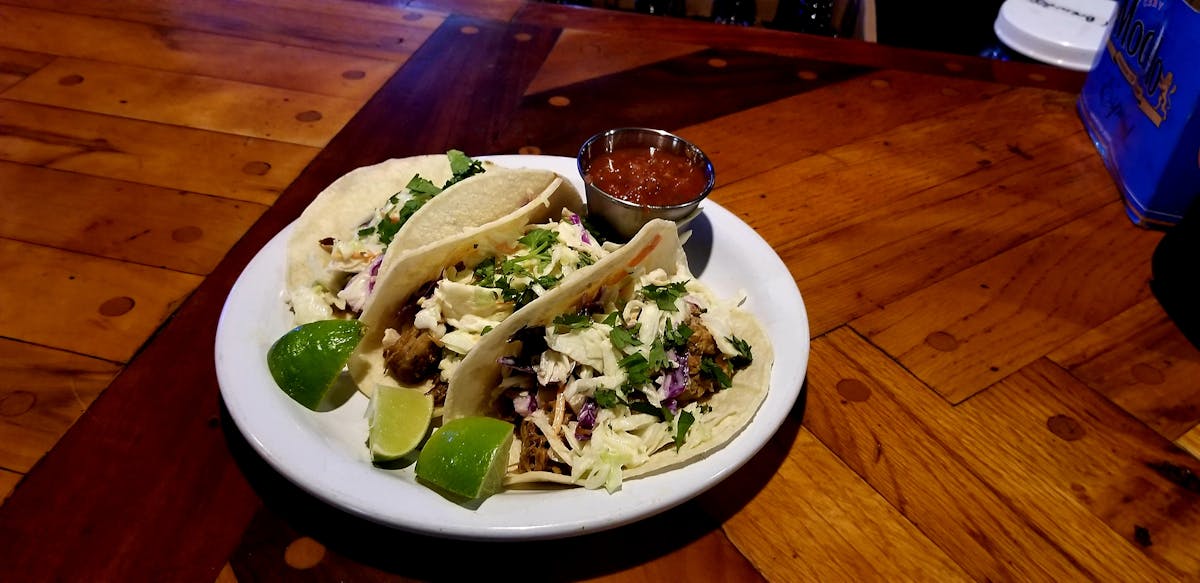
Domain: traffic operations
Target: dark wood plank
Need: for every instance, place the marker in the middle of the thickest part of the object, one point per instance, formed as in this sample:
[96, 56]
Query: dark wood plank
[758, 39]
[171, 472]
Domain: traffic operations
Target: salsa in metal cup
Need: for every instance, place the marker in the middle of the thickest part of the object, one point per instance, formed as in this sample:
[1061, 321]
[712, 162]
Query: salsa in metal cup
[647, 176]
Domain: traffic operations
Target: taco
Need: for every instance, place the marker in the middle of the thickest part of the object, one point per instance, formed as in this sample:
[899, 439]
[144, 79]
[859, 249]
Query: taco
[371, 216]
[432, 305]
[635, 368]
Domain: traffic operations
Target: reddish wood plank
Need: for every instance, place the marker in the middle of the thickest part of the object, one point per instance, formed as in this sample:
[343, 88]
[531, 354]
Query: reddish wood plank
[837, 528]
[44, 391]
[350, 28]
[191, 101]
[195, 53]
[120, 220]
[759, 39]
[904, 441]
[1141, 362]
[298, 534]
[90, 305]
[1057, 430]
[16, 65]
[747, 143]
[148, 153]
[579, 56]
[8, 481]
[971, 329]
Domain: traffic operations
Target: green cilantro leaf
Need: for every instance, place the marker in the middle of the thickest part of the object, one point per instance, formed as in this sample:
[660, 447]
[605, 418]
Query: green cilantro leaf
[685, 422]
[423, 186]
[665, 295]
[611, 319]
[606, 398]
[637, 369]
[462, 167]
[710, 368]
[657, 359]
[676, 337]
[573, 321]
[647, 408]
[744, 357]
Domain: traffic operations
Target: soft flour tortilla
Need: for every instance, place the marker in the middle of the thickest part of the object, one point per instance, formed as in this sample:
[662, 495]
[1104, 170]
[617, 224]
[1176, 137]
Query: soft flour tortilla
[542, 196]
[473, 389]
[337, 212]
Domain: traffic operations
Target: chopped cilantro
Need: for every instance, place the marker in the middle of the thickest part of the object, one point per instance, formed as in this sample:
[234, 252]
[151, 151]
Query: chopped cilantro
[606, 398]
[685, 422]
[665, 295]
[611, 319]
[485, 330]
[647, 408]
[637, 369]
[744, 356]
[586, 258]
[658, 356]
[710, 368]
[622, 338]
[573, 321]
[365, 232]
[462, 167]
[676, 337]
[419, 185]
[485, 272]
[539, 240]
[547, 281]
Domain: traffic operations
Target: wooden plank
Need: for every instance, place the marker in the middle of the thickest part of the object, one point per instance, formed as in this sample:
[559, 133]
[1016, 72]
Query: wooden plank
[719, 82]
[971, 329]
[198, 102]
[329, 545]
[16, 65]
[838, 528]
[784, 43]
[1143, 363]
[44, 392]
[749, 142]
[854, 265]
[1190, 442]
[8, 482]
[148, 153]
[196, 53]
[206, 490]
[345, 27]
[84, 304]
[489, 9]
[226, 575]
[142, 224]
[903, 440]
[579, 56]
[1045, 426]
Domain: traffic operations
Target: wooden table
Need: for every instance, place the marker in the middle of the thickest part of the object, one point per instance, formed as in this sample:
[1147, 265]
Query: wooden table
[993, 393]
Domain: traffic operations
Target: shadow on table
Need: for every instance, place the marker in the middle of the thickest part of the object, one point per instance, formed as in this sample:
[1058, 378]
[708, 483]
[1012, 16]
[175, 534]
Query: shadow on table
[358, 549]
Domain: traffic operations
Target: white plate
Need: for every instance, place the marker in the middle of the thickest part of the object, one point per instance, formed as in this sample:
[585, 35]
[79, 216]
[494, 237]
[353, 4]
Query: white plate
[325, 453]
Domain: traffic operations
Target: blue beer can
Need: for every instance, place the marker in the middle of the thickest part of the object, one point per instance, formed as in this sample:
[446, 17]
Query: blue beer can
[1139, 105]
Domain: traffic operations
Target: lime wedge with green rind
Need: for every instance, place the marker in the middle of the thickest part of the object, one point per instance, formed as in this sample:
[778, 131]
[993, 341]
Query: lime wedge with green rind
[467, 457]
[307, 361]
[399, 419]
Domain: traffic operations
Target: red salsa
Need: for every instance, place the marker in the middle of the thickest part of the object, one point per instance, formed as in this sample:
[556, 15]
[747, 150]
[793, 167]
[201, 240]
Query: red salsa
[647, 176]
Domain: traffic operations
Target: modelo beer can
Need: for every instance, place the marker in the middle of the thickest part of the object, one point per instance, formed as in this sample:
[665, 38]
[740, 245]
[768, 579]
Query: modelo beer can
[1139, 104]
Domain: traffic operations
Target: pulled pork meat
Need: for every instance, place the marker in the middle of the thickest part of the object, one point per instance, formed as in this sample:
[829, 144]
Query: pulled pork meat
[535, 451]
[414, 355]
[701, 345]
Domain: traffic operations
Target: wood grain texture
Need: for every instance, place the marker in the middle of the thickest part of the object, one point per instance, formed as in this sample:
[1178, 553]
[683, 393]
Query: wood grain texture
[750, 142]
[907, 443]
[205, 103]
[196, 53]
[969, 330]
[1143, 363]
[43, 392]
[757, 39]
[8, 481]
[90, 305]
[1060, 433]
[141, 224]
[719, 83]
[148, 153]
[16, 65]
[345, 27]
[579, 56]
[836, 529]
[1190, 442]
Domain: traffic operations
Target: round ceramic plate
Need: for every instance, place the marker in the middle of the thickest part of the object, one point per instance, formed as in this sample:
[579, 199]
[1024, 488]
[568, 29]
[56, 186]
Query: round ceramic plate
[325, 453]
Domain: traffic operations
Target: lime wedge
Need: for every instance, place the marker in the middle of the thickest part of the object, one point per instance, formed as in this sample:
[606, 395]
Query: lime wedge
[467, 457]
[399, 419]
[307, 361]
